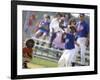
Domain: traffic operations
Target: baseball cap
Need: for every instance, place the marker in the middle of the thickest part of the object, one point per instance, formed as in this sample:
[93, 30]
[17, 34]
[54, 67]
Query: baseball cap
[82, 14]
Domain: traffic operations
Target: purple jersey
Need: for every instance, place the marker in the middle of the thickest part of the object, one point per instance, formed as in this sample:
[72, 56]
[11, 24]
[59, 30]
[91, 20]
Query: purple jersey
[44, 25]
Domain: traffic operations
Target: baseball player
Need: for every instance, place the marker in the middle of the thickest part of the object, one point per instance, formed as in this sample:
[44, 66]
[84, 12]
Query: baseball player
[69, 52]
[44, 26]
[54, 27]
[82, 33]
[58, 40]
[27, 52]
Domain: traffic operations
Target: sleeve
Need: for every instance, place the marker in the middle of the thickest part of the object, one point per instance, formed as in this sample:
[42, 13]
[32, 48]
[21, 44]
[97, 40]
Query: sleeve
[63, 37]
[40, 24]
[77, 24]
[51, 27]
[67, 36]
[76, 37]
[86, 27]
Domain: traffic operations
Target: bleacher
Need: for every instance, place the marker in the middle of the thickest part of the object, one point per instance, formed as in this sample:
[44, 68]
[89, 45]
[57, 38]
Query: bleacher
[44, 51]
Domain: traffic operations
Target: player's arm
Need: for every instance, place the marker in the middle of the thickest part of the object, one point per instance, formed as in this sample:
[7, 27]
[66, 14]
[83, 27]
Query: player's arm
[51, 28]
[40, 24]
[75, 42]
[79, 28]
[87, 30]
[26, 55]
[87, 41]
[88, 35]
[63, 37]
[61, 25]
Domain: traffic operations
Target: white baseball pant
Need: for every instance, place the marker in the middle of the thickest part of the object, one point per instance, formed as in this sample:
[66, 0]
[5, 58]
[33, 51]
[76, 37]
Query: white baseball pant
[66, 58]
[82, 43]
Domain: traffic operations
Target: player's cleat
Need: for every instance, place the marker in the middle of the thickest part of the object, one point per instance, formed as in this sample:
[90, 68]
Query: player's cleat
[37, 42]
[25, 65]
[73, 64]
[50, 45]
[43, 44]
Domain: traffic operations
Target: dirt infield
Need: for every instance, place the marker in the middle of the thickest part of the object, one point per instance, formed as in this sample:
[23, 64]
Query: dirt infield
[30, 65]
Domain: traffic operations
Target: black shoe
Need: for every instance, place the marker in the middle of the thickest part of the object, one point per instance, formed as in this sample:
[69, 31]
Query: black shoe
[73, 64]
[50, 45]
[25, 65]
[43, 44]
[37, 42]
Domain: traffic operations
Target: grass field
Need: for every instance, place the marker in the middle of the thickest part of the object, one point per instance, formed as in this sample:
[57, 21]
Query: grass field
[40, 63]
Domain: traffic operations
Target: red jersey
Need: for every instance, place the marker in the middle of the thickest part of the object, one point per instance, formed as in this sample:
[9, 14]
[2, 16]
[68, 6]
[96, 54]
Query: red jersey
[27, 51]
